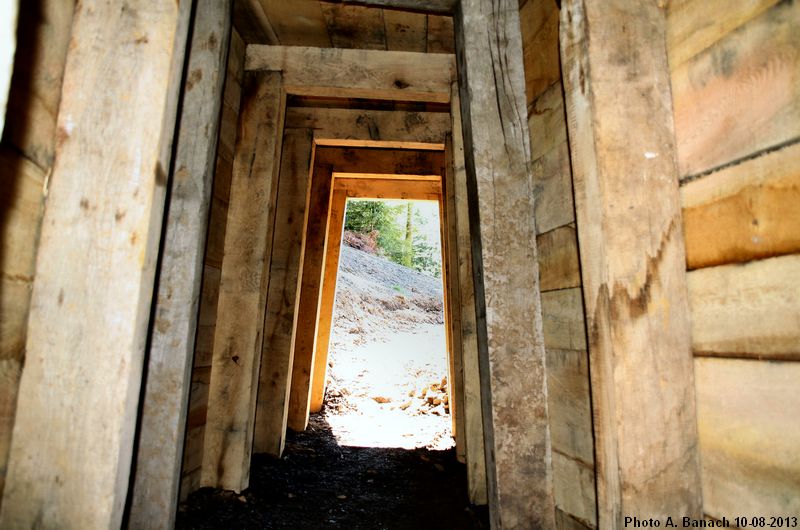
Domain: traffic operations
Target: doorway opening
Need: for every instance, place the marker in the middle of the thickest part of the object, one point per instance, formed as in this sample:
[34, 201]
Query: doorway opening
[388, 380]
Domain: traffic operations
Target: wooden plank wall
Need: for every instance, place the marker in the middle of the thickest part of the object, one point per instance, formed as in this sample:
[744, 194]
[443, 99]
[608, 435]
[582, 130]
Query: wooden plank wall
[559, 271]
[201, 371]
[26, 159]
[735, 71]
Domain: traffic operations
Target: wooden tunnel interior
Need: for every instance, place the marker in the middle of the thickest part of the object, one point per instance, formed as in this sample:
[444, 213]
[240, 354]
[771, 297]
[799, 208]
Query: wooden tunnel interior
[618, 183]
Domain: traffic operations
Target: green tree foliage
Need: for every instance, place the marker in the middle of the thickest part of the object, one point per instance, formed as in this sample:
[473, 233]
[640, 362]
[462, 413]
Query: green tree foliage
[396, 230]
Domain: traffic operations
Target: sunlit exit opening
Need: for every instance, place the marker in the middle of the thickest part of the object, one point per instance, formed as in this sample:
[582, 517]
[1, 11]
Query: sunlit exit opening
[388, 382]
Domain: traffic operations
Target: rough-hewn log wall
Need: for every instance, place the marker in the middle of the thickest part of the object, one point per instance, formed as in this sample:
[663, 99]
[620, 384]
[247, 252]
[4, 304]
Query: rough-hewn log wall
[735, 71]
[26, 159]
[201, 372]
[559, 271]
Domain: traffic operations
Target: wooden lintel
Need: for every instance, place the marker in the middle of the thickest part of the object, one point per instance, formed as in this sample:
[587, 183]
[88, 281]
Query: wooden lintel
[347, 142]
[441, 7]
[376, 125]
[387, 161]
[383, 176]
[424, 190]
[350, 73]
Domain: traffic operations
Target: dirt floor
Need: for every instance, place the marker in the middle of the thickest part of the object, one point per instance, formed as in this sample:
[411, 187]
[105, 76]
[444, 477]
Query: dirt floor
[381, 454]
[320, 484]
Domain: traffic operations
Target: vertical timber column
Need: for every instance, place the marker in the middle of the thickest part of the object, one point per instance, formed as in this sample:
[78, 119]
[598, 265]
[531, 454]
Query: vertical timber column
[473, 415]
[452, 300]
[73, 438]
[166, 387]
[511, 345]
[333, 244]
[279, 325]
[622, 145]
[316, 226]
[236, 357]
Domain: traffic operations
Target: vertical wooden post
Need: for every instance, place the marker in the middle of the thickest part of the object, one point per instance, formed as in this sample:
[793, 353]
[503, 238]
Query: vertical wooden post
[315, 229]
[157, 465]
[473, 415]
[452, 301]
[277, 353]
[238, 338]
[76, 415]
[512, 354]
[622, 145]
[333, 244]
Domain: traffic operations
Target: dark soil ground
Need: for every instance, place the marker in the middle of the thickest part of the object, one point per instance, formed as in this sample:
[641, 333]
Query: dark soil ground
[319, 484]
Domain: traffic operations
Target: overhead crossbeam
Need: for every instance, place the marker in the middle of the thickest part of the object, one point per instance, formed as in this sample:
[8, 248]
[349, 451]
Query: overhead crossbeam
[347, 73]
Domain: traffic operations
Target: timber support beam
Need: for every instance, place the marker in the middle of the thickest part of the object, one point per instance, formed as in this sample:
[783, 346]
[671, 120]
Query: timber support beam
[622, 147]
[509, 318]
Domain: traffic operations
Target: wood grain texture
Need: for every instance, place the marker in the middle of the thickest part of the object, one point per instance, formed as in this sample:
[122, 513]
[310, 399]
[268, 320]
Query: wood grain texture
[298, 22]
[243, 288]
[79, 391]
[539, 25]
[357, 188]
[741, 95]
[695, 25]
[632, 259]
[353, 26]
[573, 483]
[750, 310]
[441, 38]
[570, 407]
[473, 413]
[452, 302]
[376, 125]
[749, 435]
[562, 319]
[559, 267]
[284, 271]
[512, 355]
[547, 121]
[406, 31]
[315, 230]
[162, 425]
[744, 212]
[403, 76]
[390, 161]
[333, 244]
[552, 182]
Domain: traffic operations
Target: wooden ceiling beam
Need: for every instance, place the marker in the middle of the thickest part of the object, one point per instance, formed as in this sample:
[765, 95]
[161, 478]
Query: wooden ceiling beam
[441, 7]
[348, 73]
[374, 125]
[387, 161]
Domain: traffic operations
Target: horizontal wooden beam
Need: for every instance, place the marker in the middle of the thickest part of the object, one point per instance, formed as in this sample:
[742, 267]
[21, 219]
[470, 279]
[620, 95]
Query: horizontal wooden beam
[383, 176]
[744, 212]
[378, 125]
[747, 311]
[388, 189]
[442, 7]
[388, 161]
[348, 73]
[421, 146]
